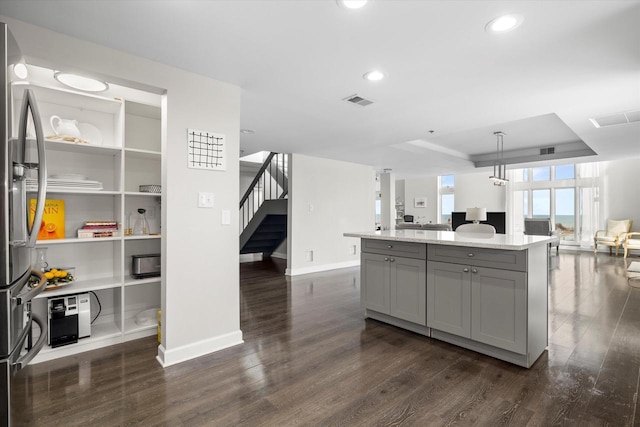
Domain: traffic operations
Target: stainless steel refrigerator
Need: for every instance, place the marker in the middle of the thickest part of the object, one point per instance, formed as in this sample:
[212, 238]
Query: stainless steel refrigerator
[17, 238]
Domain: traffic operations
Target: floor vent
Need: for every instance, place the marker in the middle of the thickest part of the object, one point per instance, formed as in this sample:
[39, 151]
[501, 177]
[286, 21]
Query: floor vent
[616, 119]
[358, 100]
[547, 150]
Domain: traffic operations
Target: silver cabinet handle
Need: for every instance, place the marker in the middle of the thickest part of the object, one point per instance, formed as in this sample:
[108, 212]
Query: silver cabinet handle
[470, 254]
[389, 246]
[386, 259]
[475, 270]
[466, 270]
[392, 260]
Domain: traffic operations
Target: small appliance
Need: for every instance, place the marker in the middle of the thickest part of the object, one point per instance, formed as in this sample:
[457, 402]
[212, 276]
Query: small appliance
[84, 315]
[147, 265]
[63, 320]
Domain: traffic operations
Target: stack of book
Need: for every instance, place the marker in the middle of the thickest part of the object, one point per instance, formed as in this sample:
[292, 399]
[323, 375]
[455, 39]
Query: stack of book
[92, 229]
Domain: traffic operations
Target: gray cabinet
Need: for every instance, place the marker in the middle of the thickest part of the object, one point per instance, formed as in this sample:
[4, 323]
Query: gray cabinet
[374, 282]
[499, 308]
[484, 304]
[407, 286]
[395, 285]
[449, 298]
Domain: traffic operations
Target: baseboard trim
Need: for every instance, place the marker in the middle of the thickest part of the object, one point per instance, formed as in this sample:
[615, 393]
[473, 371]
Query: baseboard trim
[250, 257]
[280, 255]
[191, 351]
[320, 268]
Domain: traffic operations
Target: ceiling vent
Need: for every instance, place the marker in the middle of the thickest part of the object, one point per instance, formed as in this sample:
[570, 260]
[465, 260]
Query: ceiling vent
[358, 100]
[547, 150]
[616, 119]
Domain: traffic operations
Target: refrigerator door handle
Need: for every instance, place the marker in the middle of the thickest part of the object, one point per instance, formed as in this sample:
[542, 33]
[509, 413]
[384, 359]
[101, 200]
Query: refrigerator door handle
[35, 291]
[29, 103]
[24, 360]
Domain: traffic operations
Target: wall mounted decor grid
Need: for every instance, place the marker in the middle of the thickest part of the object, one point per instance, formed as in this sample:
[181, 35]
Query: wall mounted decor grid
[206, 150]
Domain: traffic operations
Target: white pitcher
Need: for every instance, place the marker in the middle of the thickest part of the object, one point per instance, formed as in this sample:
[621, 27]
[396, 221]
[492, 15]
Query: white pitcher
[65, 127]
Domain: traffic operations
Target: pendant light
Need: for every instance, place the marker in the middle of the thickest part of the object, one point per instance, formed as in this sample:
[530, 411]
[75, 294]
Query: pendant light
[499, 176]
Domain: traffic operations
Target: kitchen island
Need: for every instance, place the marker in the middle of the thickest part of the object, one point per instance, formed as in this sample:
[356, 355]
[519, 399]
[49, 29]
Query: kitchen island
[487, 294]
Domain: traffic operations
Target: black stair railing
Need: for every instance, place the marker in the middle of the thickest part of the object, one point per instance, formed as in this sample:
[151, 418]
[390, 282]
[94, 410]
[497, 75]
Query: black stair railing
[271, 182]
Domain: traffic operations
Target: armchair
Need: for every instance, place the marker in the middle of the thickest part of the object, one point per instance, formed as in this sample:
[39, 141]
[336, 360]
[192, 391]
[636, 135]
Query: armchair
[613, 235]
[541, 227]
[631, 241]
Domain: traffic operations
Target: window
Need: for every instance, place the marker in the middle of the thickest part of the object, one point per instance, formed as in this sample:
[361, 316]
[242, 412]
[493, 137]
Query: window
[541, 174]
[565, 172]
[541, 203]
[446, 188]
[555, 192]
[565, 212]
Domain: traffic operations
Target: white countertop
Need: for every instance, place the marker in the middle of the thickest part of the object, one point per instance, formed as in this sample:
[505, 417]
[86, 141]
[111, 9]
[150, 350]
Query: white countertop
[512, 242]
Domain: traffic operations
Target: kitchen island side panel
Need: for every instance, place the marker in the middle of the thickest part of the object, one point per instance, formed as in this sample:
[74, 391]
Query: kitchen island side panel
[537, 300]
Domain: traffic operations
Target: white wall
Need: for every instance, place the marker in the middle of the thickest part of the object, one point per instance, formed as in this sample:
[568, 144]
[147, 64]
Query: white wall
[477, 190]
[341, 196]
[422, 187]
[622, 191]
[200, 281]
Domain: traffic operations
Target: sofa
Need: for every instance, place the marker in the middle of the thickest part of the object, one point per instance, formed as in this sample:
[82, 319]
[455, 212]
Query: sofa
[417, 226]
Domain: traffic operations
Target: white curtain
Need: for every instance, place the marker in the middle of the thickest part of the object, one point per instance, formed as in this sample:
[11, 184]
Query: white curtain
[590, 186]
[514, 208]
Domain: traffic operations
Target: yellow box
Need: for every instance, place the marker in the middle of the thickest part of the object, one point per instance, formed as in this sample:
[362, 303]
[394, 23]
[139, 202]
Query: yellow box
[52, 225]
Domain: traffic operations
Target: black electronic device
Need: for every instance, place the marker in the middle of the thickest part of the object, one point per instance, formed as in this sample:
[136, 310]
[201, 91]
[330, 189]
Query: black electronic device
[63, 320]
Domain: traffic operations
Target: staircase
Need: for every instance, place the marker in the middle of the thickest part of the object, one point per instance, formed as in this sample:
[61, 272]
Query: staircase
[263, 208]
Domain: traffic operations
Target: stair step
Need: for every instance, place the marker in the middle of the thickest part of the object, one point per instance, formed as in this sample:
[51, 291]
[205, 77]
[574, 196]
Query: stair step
[260, 235]
[275, 219]
[266, 228]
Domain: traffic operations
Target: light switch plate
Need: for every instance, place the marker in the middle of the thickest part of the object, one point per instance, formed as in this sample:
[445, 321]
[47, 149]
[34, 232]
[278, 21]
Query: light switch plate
[205, 200]
[225, 217]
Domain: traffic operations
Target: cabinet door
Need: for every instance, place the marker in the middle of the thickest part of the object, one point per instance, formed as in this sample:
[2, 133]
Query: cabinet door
[408, 286]
[374, 282]
[499, 308]
[449, 298]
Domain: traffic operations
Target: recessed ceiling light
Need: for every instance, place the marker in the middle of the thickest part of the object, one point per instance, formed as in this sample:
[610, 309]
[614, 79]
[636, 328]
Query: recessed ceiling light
[352, 4]
[75, 81]
[373, 76]
[504, 23]
[20, 70]
[247, 131]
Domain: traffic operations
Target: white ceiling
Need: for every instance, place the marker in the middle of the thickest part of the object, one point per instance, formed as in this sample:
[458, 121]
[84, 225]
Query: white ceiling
[297, 60]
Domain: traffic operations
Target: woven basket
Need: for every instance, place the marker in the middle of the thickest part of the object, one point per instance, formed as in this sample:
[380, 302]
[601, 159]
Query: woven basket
[150, 189]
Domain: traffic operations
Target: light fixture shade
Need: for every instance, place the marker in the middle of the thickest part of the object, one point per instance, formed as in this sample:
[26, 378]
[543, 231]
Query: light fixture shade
[476, 214]
[83, 83]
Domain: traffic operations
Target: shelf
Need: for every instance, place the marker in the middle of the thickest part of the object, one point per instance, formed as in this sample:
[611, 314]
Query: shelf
[72, 240]
[82, 286]
[136, 153]
[127, 154]
[131, 281]
[145, 237]
[130, 326]
[76, 147]
[66, 96]
[138, 193]
[84, 192]
[101, 335]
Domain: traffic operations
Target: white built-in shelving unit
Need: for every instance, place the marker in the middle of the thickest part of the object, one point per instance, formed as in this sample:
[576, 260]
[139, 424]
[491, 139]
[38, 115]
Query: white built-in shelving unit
[129, 155]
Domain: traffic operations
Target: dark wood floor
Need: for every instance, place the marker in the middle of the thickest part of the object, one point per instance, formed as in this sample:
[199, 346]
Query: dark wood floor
[310, 359]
